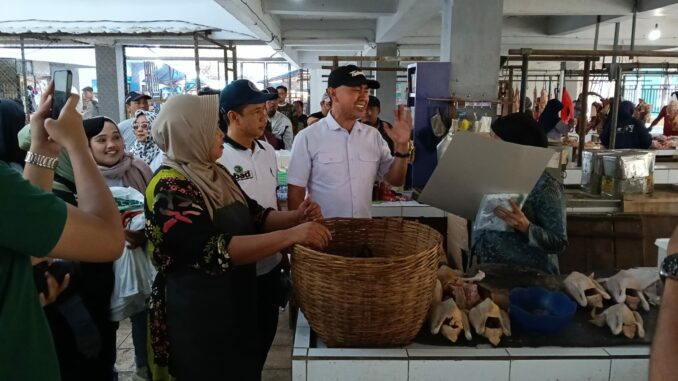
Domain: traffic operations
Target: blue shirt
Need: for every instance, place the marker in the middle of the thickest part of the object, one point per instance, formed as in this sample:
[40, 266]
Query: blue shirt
[547, 234]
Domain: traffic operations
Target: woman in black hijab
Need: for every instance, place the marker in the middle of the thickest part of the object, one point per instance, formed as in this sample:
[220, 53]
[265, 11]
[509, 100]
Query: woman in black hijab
[631, 132]
[550, 122]
[537, 232]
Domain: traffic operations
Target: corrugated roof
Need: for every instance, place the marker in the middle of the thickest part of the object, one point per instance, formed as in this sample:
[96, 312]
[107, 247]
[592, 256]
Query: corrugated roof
[100, 27]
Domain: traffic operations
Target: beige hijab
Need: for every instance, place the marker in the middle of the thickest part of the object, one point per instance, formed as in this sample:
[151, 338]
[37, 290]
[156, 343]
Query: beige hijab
[185, 130]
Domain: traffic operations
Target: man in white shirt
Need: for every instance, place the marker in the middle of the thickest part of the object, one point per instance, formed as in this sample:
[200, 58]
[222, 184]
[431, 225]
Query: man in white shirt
[339, 158]
[253, 164]
[280, 124]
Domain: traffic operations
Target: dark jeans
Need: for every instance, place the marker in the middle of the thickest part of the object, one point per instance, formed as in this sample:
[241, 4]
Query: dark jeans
[268, 299]
[139, 338]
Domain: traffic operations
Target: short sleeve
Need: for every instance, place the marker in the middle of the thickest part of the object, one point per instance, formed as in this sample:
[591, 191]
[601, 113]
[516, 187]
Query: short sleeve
[385, 157]
[299, 169]
[28, 212]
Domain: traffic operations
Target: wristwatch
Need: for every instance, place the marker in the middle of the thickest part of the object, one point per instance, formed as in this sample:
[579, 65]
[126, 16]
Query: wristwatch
[41, 160]
[669, 267]
[410, 152]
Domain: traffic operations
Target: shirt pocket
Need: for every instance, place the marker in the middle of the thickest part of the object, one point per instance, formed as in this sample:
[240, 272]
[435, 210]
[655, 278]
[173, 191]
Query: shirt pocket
[331, 168]
[368, 163]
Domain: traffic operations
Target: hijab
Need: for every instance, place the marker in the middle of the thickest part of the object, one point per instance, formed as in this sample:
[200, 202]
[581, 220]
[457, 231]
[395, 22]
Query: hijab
[519, 128]
[625, 114]
[185, 131]
[12, 120]
[133, 172]
[549, 117]
[148, 150]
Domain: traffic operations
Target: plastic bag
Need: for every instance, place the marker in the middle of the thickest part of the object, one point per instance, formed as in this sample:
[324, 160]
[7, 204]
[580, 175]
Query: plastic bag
[134, 275]
[486, 219]
[127, 198]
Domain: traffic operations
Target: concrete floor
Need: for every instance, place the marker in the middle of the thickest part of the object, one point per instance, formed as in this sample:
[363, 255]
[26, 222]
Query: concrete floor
[278, 364]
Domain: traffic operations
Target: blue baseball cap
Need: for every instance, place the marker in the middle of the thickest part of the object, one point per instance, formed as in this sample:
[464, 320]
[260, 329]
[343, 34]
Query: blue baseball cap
[242, 92]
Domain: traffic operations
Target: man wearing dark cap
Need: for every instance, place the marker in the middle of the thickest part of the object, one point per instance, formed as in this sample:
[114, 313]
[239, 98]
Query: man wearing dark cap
[90, 106]
[372, 119]
[280, 124]
[340, 158]
[134, 101]
[253, 164]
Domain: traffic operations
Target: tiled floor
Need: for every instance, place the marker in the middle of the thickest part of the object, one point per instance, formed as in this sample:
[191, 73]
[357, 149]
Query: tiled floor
[278, 364]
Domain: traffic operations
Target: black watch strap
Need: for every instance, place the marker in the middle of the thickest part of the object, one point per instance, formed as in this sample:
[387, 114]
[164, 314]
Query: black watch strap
[403, 155]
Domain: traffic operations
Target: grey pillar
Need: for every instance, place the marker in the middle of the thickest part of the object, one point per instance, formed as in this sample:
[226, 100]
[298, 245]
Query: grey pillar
[471, 40]
[387, 92]
[110, 81]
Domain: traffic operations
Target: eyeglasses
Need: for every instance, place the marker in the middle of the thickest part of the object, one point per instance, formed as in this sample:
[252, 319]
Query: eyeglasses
[136, 126]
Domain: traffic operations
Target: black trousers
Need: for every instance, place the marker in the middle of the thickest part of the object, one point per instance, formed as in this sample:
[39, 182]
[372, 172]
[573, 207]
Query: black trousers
[268, 300]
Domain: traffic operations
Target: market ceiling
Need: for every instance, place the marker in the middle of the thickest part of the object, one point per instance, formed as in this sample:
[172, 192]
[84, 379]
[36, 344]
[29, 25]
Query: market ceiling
[305, 29]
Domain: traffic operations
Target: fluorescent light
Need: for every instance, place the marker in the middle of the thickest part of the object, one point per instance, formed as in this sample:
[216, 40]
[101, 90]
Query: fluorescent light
[654, 33]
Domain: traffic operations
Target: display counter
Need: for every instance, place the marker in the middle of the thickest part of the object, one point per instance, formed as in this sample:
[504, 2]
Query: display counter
[312, 360]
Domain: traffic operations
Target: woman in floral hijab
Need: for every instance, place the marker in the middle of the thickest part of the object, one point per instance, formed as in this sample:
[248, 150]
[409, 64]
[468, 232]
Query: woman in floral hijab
[144, 147]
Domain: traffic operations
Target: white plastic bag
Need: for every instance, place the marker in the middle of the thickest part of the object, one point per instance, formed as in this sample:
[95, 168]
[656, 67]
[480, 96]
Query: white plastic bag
[487, 219]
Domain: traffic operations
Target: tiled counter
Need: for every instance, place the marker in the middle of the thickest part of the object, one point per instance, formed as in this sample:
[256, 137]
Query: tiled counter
[418, 362]
[405, 209]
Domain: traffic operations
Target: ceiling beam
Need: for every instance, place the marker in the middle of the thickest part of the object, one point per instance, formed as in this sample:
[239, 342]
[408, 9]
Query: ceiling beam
[330, 29]
[262, 25]
[411, 15]
[558, 25]
[330, 8]
[567, 8]
[651, 5]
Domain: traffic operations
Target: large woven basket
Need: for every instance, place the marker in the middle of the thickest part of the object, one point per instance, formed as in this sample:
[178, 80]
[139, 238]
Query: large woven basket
[378, 298]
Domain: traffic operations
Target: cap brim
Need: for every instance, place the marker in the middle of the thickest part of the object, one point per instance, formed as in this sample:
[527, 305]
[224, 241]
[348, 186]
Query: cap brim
[372, 84]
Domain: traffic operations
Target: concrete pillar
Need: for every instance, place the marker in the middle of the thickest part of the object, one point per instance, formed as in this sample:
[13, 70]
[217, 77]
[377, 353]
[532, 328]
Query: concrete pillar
[387, 92]
[471, 41]
[318, 85]
[111, 81]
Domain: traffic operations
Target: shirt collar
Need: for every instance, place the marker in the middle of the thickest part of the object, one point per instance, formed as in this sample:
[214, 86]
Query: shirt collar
[334, 125]
[241, 147]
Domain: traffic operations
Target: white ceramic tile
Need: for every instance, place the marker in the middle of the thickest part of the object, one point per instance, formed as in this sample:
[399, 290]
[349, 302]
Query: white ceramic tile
[673, 176]
[301, 320]
[300, 352]
[357, 352]
[517, 353]
[560, 370]
[422, 211]
[629, 369]
[302, 337]
[457, 353]
[357, 370]
[434, 370]
[298, 370]
[641, 350]
[386, 211]
[661, 176]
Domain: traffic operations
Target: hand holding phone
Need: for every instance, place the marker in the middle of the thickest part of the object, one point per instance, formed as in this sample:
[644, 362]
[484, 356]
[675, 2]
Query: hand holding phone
[63, 80]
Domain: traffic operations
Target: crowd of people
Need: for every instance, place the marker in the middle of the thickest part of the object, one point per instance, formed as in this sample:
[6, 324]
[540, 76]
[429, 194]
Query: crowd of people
[192, 248]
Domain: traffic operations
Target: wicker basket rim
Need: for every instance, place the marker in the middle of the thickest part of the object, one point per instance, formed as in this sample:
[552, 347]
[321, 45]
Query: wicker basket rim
[399, 258]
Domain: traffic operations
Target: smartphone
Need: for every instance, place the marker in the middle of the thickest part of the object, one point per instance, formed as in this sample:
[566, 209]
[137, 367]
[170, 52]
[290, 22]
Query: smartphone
[62, 90]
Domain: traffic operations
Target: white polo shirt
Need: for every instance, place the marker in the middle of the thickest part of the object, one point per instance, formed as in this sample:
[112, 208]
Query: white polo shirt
[256, 171]
[339, 169]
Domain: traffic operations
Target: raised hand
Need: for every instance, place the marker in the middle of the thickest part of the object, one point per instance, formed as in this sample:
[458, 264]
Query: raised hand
[401, 133]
